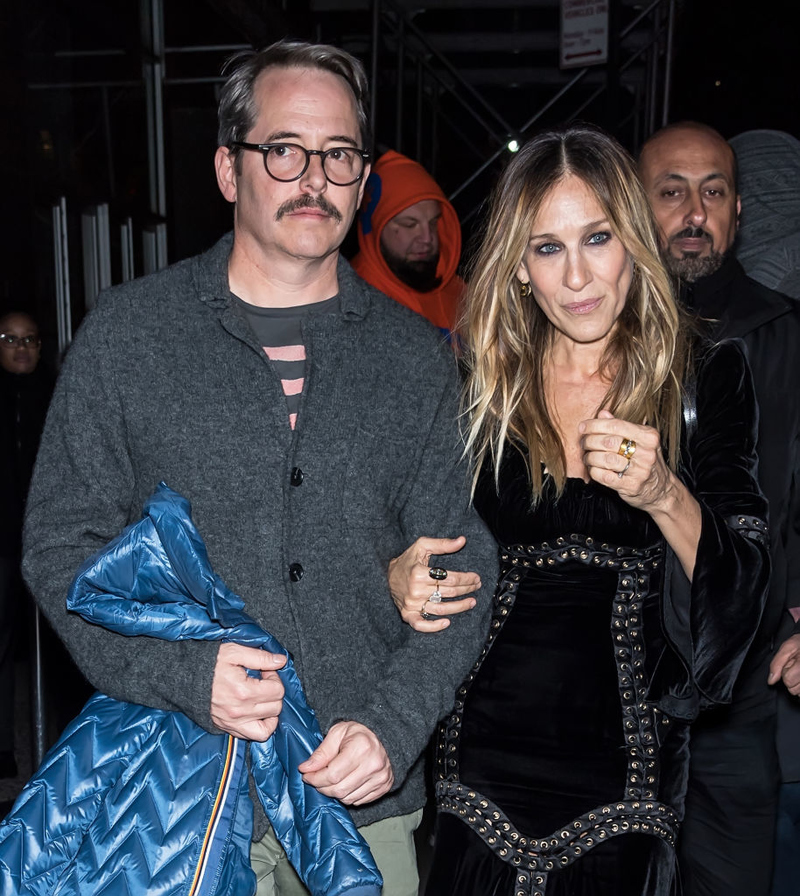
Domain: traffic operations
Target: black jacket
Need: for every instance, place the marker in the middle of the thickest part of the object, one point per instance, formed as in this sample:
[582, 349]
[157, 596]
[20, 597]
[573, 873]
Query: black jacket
[769, 325]
[23, 406]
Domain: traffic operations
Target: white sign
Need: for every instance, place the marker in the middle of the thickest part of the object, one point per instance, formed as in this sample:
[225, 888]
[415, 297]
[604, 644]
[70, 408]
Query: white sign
[584, 33]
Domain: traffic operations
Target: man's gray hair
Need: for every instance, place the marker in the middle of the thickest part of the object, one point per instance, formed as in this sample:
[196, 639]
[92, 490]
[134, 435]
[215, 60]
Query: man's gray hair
[237, 108]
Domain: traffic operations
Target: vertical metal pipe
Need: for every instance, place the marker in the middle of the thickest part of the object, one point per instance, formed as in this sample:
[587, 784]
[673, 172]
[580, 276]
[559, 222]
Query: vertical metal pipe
[152, 30]
[613, 66]
[401, 55]
[434, 134]
[64, 319]
[651, 68]
[112, 177]
[638, 136]
[63, 300]
[420, 97]
[668, 62]
[376, 35]
[38, 719]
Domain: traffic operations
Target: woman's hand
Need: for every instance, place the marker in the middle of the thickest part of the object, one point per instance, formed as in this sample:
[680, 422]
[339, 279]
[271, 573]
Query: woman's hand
[414, 591]
[627, 458]
[641, 478]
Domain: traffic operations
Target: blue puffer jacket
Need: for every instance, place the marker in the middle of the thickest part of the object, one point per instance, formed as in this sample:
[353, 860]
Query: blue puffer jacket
[142, 801]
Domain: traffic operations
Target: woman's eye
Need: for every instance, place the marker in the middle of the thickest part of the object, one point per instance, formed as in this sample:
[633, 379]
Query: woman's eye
[597, 239]
[547, 249]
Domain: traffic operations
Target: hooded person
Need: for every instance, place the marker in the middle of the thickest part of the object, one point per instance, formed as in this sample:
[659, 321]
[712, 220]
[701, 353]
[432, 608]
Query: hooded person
[768, 243]
[409, 239]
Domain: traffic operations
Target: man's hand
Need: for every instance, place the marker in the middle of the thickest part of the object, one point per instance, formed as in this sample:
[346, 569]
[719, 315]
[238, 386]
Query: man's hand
[242, 705]
[786, 665]
[350, 764]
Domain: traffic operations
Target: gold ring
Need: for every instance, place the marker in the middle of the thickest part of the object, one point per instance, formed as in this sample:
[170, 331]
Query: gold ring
[627, 448]
[426, 616]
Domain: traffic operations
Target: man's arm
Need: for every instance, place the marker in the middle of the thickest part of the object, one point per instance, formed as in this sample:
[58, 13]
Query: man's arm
[416, 685]
[84, 491]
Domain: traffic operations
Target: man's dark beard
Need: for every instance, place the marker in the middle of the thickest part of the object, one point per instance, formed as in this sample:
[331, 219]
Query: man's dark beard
[419, 275]
[692, 266]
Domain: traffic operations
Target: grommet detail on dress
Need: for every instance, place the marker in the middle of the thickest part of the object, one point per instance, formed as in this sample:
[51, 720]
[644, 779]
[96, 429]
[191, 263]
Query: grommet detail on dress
[636, 811]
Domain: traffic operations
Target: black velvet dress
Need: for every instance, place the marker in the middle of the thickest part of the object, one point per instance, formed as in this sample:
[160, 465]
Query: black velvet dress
[563, 767]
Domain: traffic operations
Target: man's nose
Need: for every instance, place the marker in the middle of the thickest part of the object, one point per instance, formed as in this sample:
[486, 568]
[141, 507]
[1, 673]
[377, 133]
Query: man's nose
[313, 179]
[696, 214]
[428, 234]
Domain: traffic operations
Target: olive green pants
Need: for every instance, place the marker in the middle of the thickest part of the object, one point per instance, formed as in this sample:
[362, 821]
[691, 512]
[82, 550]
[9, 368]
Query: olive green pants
[390, 840]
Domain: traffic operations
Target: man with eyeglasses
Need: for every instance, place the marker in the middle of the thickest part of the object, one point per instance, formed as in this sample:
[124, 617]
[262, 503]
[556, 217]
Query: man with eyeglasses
[312, 422]
[25, 388]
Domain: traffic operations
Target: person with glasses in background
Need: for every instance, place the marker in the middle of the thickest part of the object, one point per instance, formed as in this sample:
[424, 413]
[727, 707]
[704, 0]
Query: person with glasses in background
[25, 387]
[312, 423]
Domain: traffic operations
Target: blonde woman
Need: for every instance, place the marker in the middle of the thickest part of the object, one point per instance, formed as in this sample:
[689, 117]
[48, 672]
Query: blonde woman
[614, 460]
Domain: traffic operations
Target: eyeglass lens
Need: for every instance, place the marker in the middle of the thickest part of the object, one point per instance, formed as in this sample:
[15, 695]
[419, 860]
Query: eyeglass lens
[286, 161]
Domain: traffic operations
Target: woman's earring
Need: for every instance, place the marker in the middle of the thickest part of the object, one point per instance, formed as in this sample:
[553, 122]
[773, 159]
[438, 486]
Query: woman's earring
[524, 289]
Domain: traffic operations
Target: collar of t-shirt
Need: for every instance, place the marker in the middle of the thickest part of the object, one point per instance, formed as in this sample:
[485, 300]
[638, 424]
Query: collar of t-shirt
[279, 332]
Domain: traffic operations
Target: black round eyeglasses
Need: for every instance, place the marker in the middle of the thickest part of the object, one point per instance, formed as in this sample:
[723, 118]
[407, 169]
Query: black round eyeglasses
[342, 165]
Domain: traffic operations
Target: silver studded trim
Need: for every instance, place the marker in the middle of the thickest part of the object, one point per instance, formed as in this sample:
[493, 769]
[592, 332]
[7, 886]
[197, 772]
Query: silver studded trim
[643, 723]
[751, 527]
[535, 858]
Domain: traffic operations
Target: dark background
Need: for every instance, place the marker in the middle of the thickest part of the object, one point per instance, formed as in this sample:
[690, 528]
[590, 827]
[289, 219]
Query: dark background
[735, 67]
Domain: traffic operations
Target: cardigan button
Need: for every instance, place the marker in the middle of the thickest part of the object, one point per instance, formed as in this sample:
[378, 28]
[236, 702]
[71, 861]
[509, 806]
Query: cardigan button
[297, 476]
[296, 572]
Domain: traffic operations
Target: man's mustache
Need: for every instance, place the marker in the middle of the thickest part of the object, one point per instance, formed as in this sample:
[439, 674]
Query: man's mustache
[307, 201]
[693, 233]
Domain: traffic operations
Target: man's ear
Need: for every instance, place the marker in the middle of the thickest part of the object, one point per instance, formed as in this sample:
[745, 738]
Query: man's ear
[738, 210]
[225, 166]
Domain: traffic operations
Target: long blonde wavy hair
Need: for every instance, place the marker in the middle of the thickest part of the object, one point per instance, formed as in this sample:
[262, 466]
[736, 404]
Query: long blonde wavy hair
[508, 338]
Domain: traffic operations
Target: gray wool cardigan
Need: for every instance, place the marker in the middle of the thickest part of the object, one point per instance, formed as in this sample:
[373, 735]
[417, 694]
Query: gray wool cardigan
[165, 381]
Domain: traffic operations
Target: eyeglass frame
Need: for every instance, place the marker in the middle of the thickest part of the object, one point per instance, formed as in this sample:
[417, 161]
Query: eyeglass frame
[30, 339]
[264, 148]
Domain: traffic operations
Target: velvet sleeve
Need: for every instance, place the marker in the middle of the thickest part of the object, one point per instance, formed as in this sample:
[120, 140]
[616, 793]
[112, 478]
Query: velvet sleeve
[792, 537]
[711, 621]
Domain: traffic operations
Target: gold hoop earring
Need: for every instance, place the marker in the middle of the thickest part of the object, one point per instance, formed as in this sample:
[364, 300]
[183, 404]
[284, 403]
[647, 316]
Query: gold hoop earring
[524, 289]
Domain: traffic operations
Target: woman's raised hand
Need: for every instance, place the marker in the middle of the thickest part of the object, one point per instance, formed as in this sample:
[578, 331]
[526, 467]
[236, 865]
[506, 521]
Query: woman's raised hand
[627, 457]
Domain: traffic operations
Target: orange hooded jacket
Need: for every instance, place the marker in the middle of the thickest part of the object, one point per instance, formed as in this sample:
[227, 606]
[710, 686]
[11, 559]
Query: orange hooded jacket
[397, 182]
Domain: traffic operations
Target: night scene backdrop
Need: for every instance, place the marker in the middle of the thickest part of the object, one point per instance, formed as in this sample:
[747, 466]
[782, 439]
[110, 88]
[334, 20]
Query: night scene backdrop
[74, 113]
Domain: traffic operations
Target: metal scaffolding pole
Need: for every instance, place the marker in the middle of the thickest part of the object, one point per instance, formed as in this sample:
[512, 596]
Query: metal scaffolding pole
[668, 62]
[398, 121]
[376, 33]
[152, 26]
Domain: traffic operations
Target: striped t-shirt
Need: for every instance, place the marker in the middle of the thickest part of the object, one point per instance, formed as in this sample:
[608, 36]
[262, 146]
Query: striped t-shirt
[279, 330]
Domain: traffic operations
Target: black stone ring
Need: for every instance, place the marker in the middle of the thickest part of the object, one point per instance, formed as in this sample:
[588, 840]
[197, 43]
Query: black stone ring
[437, 573]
